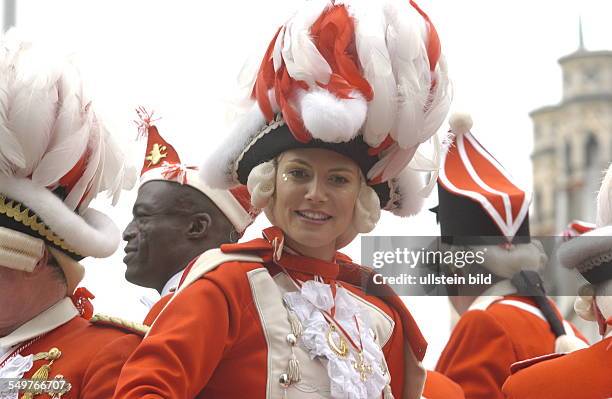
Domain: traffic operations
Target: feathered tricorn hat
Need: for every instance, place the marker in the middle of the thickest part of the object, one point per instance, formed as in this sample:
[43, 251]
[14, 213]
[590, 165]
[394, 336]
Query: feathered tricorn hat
[362, 78]
[55, 156]
[479, 200]
[163, 163]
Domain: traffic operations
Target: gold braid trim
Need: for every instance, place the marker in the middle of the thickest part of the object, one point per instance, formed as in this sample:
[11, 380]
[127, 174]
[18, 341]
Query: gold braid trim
[12, 209]
[112, 321]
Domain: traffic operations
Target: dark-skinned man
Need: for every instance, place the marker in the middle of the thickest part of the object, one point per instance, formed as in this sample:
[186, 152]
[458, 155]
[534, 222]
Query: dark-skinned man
[176, 217]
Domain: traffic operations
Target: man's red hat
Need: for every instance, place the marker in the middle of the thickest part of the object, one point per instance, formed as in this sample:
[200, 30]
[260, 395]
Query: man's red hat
[162, 162]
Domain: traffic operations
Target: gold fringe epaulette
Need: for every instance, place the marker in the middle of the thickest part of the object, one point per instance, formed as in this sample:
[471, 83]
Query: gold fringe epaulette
[120, 323]
[12, 209]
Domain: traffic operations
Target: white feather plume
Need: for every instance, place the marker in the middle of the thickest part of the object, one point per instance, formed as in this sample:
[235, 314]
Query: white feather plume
[407, 48]
[440, 98]
[46, 126]
[302, 58]
[370, 40]
[68, 144]
[33, 107]
[277, 56]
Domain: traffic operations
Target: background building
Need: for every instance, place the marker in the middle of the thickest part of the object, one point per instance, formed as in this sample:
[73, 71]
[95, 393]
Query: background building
[572, 148]
[572, 142]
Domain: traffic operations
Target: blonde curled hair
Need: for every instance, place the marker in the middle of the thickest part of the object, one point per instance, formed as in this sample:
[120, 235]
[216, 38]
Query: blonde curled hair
[261, 184]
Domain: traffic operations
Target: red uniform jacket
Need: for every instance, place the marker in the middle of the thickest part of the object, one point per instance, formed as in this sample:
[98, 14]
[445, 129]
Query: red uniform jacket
[91, 356]
[485, 343]
[584, 374]
[209, 341]
[438, 386]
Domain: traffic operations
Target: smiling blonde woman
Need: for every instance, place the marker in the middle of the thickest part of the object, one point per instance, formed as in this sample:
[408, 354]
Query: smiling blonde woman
[344, 96]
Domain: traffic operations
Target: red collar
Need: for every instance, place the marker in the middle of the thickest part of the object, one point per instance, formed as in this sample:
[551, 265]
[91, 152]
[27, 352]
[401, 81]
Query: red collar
[265, 248]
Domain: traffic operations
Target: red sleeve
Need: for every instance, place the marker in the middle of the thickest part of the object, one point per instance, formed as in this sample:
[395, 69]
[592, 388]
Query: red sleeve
[183, 347]
[438, 386]
[478, 356]
[100, 379]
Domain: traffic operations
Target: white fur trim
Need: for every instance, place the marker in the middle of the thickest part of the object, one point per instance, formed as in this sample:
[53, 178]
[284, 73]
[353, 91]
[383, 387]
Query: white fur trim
[577, 252]
[218, 170]
[225, 201]
[89, 234]
[332, 119]
[406, 199]
[460, 123]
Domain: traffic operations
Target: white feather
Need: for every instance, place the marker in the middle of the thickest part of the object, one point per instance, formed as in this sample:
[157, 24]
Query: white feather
[277, 57]
[118, 173]
[302, 58]
[393, 161]
[370, 31]
[11, 151]
[406, 40]
[68, 144]
[78, 191]
[34, 102]
[440, 99]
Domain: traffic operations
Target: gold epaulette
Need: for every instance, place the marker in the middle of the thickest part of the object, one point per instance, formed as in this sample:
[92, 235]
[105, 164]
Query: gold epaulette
[118, 322]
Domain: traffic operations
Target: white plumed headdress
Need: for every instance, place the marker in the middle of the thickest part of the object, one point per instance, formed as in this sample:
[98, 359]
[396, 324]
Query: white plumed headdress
[364, 78]
[56, 155]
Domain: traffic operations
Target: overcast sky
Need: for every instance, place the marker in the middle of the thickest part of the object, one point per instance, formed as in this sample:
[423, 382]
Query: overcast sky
[181, 59]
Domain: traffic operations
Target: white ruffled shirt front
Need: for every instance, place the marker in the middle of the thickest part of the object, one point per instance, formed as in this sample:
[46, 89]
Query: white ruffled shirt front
[346, 382]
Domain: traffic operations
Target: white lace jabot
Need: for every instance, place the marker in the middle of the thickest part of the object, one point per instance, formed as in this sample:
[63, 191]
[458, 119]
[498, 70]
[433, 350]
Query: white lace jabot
[346, 382]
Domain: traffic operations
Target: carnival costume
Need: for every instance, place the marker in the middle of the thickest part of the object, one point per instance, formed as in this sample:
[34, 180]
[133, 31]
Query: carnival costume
[363, 79]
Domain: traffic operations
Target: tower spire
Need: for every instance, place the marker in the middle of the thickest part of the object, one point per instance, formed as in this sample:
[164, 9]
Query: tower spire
[580, 35]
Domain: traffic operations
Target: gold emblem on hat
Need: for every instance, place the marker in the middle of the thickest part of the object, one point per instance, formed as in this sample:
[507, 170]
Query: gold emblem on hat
[157, 154]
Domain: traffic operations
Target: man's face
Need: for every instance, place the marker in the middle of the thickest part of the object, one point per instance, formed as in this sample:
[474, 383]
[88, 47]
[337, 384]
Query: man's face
[23, 295]
[13, 290]
[155, 235]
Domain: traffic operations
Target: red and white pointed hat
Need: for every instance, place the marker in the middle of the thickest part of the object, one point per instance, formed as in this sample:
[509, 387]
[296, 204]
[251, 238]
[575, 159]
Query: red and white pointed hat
[478, 197]
[162, 162]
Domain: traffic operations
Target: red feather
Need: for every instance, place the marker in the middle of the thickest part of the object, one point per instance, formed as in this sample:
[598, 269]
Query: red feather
[265, 81]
